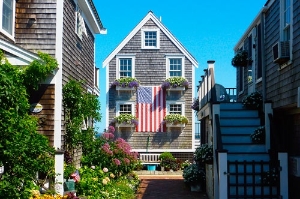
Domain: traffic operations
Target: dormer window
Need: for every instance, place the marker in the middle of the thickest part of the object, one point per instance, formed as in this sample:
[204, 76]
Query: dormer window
[7, 10]
[150, 39]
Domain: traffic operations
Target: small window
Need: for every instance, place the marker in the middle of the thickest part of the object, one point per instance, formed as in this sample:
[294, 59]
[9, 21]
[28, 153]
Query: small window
[150, 39]
[125, 66]
[175, 109]
[175, 66]
[7, 10]
[125, 109]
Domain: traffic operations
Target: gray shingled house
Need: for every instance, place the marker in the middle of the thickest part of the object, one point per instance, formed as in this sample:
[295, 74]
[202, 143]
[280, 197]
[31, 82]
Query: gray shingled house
[151, 55]
[65, 30]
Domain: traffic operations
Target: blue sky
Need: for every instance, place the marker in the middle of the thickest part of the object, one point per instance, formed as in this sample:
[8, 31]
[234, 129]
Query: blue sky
[208, 29]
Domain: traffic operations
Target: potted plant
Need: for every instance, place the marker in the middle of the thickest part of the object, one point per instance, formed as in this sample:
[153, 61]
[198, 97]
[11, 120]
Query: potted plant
[175, 82]
[253, 101]
[241, 59]
[195, 106]
[125, 120]
[259, 135]
[175, 120]
[125, 82]
[166, 159]
[194, 176]
[204, 154]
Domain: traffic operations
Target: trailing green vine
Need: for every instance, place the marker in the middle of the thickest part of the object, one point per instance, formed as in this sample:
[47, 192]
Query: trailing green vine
[78, 106]
[23, 151]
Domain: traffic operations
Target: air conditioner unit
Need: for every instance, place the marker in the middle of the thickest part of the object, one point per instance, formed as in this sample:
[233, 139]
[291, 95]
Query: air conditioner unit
[281, 52]
[295, 166]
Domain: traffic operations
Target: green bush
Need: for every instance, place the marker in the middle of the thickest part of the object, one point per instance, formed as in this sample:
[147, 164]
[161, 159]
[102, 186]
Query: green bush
[193, 173]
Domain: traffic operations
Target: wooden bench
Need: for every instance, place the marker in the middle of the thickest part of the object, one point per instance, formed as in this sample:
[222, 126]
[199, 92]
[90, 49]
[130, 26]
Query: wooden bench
[149, 158]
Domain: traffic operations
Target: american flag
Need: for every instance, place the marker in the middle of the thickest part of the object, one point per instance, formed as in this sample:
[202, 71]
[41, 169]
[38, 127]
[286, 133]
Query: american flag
[75, 176]
[151, 108]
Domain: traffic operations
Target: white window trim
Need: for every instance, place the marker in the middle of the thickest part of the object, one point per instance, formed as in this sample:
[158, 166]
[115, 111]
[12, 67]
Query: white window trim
[168, 57]
[168, 103]
[283, 26]
[157, 39]
[118, 57]
[11, 36]
[118, 103]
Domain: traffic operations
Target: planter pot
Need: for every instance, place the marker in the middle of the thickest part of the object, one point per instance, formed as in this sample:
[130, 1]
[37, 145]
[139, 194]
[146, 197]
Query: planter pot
[151, 167]
[196, 187]
[69, 185]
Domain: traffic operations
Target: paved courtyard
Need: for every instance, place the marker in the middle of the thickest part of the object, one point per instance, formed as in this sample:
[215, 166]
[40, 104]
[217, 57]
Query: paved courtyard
[165, 185]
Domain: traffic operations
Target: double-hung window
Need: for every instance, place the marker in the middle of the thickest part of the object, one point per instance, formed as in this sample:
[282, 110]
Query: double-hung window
[175, 66]
[7, 10]
[125, 66]
[150, 38]
[286, 28]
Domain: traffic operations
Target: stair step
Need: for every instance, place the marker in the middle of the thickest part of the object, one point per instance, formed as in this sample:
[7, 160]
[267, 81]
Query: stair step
[238, 129]
[248, 156]
[231, 106]
[245, 148]
[238, 113]
[236, 138]
[239, 122]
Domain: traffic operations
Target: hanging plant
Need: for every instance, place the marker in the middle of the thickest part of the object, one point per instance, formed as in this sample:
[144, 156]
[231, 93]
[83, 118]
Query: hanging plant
[241, 59]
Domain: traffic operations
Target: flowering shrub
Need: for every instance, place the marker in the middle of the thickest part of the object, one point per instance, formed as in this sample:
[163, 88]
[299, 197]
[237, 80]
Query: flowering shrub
[125, 119]
[241, 59]
[193, 174]
[253, 101]
[259, 135]
[176, 119]
[204, 154]
[116, 155]
[130, 82]
[195, 105]
[175, 82]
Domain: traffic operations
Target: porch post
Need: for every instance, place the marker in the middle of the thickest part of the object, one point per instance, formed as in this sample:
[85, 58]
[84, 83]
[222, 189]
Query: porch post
[268, 110]
[223, 173]
[284, 184]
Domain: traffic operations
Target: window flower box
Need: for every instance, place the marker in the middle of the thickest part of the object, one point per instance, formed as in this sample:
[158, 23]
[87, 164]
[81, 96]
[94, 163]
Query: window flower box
[175, 83]
[125, 84]
[125, 120]
[175, 121]
[178, 125]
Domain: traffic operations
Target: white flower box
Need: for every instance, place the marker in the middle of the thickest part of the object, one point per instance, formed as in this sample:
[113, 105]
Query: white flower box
[125, 125]
[179, 125]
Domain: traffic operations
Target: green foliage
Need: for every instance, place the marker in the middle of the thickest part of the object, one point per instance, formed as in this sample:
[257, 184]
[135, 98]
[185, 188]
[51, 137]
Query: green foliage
[166, 155]
[23, 151]
[204, 154]
[38, 70]
[176, 119]
[78, 106]
[259, 135]
[175, 82]
[194, 173]
[98, 182]
[125, 119]
[130, 82]
[241, 59]
[253, 101]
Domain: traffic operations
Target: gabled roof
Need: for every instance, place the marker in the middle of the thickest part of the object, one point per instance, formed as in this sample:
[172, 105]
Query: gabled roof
[151, 16]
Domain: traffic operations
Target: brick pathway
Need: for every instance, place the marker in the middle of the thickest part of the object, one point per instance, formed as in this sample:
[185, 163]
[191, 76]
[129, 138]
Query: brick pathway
[165, 187]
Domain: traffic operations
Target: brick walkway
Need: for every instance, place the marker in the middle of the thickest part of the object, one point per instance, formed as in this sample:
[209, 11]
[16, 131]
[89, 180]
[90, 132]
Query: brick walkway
[165, 186]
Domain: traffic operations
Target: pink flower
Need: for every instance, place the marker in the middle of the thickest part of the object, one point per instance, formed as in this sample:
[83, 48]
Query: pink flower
[111, 129]
[116, 161]
[127, 161]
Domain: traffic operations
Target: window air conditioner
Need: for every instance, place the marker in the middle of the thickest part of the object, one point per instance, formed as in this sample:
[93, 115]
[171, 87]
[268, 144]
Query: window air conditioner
[281, 52]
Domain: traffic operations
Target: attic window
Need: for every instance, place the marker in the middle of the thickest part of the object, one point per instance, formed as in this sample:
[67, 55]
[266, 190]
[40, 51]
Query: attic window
[80, 25]
[150, 39]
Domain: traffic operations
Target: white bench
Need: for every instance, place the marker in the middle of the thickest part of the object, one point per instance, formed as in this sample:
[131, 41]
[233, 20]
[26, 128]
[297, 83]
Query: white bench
[150, 158]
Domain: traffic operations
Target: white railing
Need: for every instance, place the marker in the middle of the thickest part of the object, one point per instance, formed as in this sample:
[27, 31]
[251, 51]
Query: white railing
[206, 85]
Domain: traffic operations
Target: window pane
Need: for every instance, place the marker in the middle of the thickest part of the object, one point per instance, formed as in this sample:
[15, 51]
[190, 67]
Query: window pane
[125, 67]
[175, 109]
[7, 16]
[175, 67]
[125, 108]
[150, 38]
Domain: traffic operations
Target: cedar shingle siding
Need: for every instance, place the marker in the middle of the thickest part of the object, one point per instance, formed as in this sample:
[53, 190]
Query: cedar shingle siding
[150, 70]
